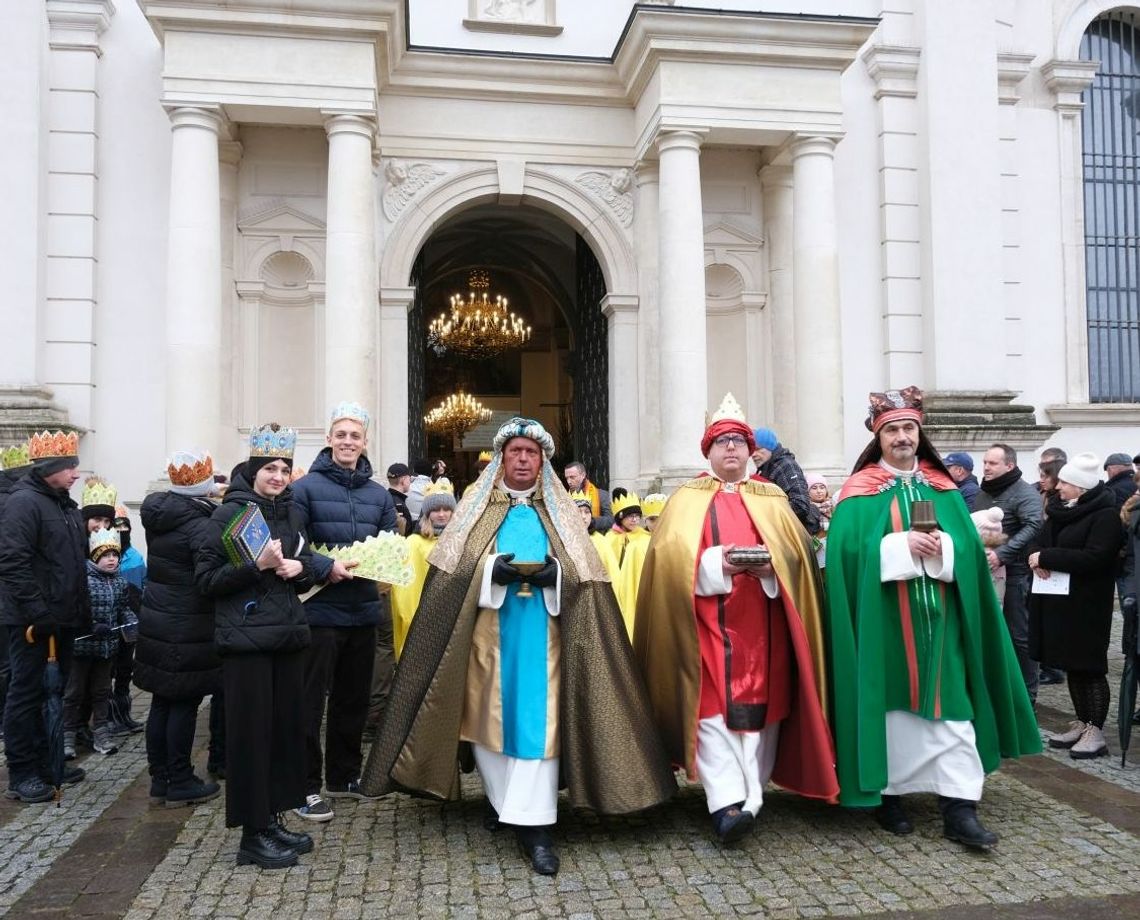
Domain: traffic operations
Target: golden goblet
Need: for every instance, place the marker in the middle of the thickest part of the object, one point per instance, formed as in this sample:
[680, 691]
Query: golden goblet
[526, 569]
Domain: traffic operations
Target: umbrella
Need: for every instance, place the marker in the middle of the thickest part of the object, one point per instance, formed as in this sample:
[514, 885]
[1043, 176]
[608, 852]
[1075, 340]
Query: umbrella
[1131, 675]
[53, 714]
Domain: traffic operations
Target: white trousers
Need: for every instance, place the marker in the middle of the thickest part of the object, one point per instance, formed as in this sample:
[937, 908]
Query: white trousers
[925, 755]
[735, 766]
[521, 791]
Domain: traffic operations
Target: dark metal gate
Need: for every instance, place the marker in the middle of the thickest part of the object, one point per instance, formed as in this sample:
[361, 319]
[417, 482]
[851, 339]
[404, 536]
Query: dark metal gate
[417, 384]
[589, 369]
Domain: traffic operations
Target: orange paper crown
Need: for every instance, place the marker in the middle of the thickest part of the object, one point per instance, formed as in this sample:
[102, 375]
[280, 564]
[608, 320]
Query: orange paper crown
[53, 444]
[191, 471]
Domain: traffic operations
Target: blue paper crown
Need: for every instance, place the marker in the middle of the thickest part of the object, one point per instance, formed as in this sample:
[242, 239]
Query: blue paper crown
[272, 441]
[350, 410]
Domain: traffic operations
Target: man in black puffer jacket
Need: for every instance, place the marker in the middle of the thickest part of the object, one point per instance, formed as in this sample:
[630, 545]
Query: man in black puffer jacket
[176, 659]
[43, 593]
[340, 504]
[15, 464]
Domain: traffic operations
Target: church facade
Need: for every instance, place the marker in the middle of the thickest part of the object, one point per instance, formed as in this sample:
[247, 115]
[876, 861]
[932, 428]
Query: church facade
[225, 213]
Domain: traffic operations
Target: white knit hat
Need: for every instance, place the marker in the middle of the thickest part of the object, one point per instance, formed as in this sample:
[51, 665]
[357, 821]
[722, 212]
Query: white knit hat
[1082, 471]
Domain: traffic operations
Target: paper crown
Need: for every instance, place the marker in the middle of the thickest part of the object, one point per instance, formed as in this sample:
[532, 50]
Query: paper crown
[51, 445]
[443, 484]
[272, 441]
[581, 498]
[97, 491]
[728, 410]
[102, 541]
[350, 410]
[14, 457]
[893, 406]
[628, 502]
[121, 512]
[484, 456]
[653, 504]
[189, 467]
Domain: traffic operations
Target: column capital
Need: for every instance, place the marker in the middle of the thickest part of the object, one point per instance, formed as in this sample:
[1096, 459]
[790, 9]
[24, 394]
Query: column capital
[646, 172]
[775, 175]
[1067, 80]
[616, 307]
[196, 116]
[392, 298]
[77, 24]
[679, 138]
[230, 152]
[894, 68]
[349, 123]
[1012, 68]
[812, 145]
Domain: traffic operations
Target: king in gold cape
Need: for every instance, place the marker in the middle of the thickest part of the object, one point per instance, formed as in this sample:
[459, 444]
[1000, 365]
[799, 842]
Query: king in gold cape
[667, 645]
[611, 759]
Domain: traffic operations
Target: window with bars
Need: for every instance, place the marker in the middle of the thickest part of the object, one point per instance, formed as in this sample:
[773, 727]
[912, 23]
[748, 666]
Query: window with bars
[1112, 207]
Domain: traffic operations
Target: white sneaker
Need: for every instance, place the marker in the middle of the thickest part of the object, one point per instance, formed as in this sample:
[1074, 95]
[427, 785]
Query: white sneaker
[1069, 737]
[314, 809]
[1091, 745]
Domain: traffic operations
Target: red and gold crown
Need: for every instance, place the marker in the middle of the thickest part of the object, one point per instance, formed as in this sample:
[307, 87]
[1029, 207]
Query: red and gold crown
[188, 468]
[52, 445]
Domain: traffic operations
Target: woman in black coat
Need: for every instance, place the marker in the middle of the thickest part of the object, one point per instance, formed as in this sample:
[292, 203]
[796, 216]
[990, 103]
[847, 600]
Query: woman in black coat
[1080, 537]
[175, 658]
[261, 633]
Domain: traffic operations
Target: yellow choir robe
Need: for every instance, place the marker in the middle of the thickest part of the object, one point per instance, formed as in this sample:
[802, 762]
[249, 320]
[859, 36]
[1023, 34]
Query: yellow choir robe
[406, 598]
[629, 551]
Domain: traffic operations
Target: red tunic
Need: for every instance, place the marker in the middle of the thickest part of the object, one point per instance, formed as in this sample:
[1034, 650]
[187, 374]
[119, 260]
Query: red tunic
[746, 653]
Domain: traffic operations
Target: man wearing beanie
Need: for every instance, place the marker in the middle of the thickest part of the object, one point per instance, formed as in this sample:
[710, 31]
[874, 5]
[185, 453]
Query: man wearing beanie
[928, 697]
[731, 647]
[43, 593]
[1002, 487]
[776, 464]
[340, 504]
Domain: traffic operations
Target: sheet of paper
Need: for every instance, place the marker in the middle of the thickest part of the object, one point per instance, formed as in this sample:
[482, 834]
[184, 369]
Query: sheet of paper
[1056, 583]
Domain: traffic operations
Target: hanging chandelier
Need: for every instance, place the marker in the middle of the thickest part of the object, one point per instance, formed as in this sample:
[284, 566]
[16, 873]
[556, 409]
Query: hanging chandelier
[478, 326]
[457, 415]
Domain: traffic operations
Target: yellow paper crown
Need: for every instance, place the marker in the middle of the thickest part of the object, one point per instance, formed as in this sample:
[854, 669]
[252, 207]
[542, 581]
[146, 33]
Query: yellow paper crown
[728, 409]
[14, 457]
[53, 444]
[653, 504]
[443, 484]
[97, 491]
[625, 503]
[581, 498]
[484, 456]
[101, 541]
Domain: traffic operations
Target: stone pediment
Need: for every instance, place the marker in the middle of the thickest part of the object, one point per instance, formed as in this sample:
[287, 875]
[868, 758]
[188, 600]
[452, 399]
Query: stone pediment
[278, 217]
[732, 234]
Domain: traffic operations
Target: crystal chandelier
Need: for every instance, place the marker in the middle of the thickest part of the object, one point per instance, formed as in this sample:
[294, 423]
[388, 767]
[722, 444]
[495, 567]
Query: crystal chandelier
[477, 326]
[457, 415]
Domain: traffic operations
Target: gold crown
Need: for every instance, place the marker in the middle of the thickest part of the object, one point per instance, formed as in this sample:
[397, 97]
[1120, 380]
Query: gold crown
[581, 498]
[188, 468]
[14, 457]
[625, 503]
[53, 444]
[443, 484]
[653, 504]
[101, 541]
[729, 409]
[97, 491]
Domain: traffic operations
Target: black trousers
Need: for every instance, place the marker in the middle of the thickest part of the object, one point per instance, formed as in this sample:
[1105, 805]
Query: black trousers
[338, 667]
[88, 691]
[383, 664]
[217, 755]
[25, 736]
[265, 736]
[123, 669]
[170, 737]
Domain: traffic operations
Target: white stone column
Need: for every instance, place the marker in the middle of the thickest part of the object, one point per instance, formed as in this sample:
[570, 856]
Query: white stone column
[389, 442]
[350, 264]
[620, 311]
[815, 287]
[648, 323]
[193, 289]
[681, 302]
[229, 153]
[776, 182]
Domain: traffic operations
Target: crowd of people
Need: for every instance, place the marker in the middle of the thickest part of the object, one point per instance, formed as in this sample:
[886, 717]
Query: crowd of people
[750, 627]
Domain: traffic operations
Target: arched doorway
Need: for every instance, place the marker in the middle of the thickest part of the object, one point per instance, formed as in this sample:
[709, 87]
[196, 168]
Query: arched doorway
[551, 278]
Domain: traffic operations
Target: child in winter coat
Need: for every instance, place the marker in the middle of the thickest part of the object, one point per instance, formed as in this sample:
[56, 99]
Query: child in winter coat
[820, 497]
[89, 683]
[988, 523]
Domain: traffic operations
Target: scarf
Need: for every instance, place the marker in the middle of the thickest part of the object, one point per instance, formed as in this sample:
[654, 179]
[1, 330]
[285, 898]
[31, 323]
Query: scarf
[999, 484]
[595, 498]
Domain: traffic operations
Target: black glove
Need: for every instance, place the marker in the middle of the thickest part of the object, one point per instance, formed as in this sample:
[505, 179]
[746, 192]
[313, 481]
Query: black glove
[100, 631]
[547, 576]
[503, 573]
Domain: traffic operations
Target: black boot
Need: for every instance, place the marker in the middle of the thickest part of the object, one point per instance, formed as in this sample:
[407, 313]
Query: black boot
[299, 843]
[158, 786]
[260, 847]
[191, 791]
[490, 817]
[960, 823]
[123, 707]
[538, 846]
[893, 817]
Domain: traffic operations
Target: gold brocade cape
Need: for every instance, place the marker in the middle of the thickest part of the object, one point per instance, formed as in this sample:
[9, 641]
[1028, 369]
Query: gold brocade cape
[665, 631]
[612, 760]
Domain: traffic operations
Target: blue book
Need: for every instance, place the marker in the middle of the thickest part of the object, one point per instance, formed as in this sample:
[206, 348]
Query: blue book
[246, 536]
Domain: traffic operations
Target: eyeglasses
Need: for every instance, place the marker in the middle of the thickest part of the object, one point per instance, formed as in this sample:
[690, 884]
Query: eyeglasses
[725, 439]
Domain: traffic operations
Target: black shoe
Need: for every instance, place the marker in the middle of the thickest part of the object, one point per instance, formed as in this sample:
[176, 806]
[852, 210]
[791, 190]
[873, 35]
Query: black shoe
[85, 737]
[732, 822]
[31, 791]
[121, 721]
[158, 786]
[1050, 676]
[72, 775]
[537, 846]
[349, 790]
[960, 823]
[299, 843]
[190, 791]
[490, 818]
[262, 848]
[893, 817]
